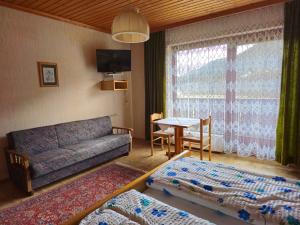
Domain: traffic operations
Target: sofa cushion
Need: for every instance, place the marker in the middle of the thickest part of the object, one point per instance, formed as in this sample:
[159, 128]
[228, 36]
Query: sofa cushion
[51, 160]
[74, 132]
[33, 141]
[80, 166]
[91, 148]
[55, 159]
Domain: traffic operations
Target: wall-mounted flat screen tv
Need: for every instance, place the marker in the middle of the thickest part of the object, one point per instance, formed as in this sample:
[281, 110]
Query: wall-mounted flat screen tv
[113, 61]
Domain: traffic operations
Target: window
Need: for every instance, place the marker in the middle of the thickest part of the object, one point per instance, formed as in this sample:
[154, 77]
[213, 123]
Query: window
[236, 80]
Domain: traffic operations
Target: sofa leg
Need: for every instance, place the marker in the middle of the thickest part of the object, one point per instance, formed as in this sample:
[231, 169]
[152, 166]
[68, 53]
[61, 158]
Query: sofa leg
[30, 193]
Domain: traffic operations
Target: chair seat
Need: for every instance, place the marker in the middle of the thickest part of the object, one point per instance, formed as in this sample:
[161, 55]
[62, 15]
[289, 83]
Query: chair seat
[167, 132]
[196, 138]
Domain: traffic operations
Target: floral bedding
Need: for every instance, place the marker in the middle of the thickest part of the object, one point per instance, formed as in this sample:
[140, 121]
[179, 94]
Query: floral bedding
[106, 217]
[251, 197]
[133, 207]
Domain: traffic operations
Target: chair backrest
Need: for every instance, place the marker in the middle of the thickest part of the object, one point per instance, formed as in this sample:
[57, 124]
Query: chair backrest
[156, 116]
[153, 117]
[203, 123]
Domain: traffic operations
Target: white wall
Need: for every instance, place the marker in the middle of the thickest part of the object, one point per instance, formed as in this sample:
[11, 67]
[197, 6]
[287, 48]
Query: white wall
[25, 39]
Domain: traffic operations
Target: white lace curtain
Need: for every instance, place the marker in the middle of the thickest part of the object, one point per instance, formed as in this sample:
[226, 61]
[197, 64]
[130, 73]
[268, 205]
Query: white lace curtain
[229, 68]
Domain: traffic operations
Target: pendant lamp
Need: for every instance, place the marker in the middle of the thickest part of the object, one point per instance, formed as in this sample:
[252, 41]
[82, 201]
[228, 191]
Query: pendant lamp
[130, 27]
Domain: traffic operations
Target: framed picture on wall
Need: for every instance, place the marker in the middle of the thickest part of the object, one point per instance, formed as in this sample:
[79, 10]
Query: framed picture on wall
[48, 74]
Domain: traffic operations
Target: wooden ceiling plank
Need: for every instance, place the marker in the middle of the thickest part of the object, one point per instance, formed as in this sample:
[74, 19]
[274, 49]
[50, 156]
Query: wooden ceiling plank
[70, 6]
[189, 14]
[40, 13]
[116, 5]
[165, 15]
[60, 4]
[79, 9]
[37, 4]
[47, 5]
[103, 9]
[173, 5]
[165, 18]
[194, 9]
[172, 2]
[164, 12]
[179, 17]
[142, 9]
[66, 5]
[24, 3]
[18, 1]
[114, 11]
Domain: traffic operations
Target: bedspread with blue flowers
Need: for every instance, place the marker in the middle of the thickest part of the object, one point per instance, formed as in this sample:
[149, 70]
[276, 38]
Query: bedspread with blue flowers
[133, 207]
[254, 198]
[106, 217]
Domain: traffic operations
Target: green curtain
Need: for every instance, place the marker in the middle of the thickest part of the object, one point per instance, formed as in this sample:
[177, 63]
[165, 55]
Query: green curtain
[288, 127]
[154, 77]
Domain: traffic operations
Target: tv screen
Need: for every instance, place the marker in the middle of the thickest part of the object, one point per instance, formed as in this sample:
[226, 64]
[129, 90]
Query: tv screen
[113, 61]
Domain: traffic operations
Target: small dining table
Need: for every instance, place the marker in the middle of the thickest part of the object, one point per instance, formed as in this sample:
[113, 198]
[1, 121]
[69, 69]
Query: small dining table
[178, 123]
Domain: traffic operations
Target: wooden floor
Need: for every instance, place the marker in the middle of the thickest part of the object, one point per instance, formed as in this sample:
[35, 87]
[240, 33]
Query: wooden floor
[140, 158]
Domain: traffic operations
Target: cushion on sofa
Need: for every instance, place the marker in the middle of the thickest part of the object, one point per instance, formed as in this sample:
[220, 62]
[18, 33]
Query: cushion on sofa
[74, 132]
[100, 145]
[78, 167]
[33, 141]
[49, 155]
[91, 148]
[52, 160]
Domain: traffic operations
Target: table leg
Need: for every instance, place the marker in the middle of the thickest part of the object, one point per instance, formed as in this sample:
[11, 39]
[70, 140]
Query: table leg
[178, 142]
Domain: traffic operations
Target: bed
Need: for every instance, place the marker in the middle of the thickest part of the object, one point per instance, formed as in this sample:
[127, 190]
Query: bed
[200, 192]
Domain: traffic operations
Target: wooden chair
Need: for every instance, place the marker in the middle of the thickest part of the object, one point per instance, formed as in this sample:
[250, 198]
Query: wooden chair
[203, 141]
[159, 134]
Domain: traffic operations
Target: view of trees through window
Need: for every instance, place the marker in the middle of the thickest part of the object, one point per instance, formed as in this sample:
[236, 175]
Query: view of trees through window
[202, 72]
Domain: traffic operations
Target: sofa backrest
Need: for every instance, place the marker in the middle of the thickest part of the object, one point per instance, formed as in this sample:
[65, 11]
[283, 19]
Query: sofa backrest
[33, 141]
[77, 131]
[36, 140]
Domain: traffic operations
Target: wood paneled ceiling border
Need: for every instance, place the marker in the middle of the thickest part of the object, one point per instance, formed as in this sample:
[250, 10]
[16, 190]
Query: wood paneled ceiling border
[40, 13]
[85, 13]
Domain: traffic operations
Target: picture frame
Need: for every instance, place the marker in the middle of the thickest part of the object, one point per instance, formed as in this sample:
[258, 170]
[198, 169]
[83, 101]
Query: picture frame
[48, 74]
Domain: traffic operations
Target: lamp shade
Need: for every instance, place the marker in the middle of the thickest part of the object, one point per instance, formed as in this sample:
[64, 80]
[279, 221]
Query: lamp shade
[130, 27]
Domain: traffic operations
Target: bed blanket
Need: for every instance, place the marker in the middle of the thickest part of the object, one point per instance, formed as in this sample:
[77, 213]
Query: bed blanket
[106, 217]
[133, 207]
[254, 198]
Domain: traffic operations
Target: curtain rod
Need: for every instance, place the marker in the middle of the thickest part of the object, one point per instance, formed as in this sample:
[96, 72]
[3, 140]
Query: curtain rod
[227, 35]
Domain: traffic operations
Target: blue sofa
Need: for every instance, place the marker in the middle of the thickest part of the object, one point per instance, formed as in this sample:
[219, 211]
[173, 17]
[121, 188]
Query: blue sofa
[42, 155]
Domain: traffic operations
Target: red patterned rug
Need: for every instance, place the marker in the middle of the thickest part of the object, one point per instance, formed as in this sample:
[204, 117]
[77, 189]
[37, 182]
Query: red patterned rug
[59, 204]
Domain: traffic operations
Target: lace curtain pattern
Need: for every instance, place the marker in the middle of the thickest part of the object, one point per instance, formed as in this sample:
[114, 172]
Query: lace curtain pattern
[234, 76]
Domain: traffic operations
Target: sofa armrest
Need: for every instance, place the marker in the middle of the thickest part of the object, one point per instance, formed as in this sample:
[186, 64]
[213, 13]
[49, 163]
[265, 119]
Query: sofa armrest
[124, 130]
[18, 158]
[18, 167]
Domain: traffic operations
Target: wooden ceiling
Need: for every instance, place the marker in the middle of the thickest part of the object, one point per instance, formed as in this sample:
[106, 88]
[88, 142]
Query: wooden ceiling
[161, 14]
